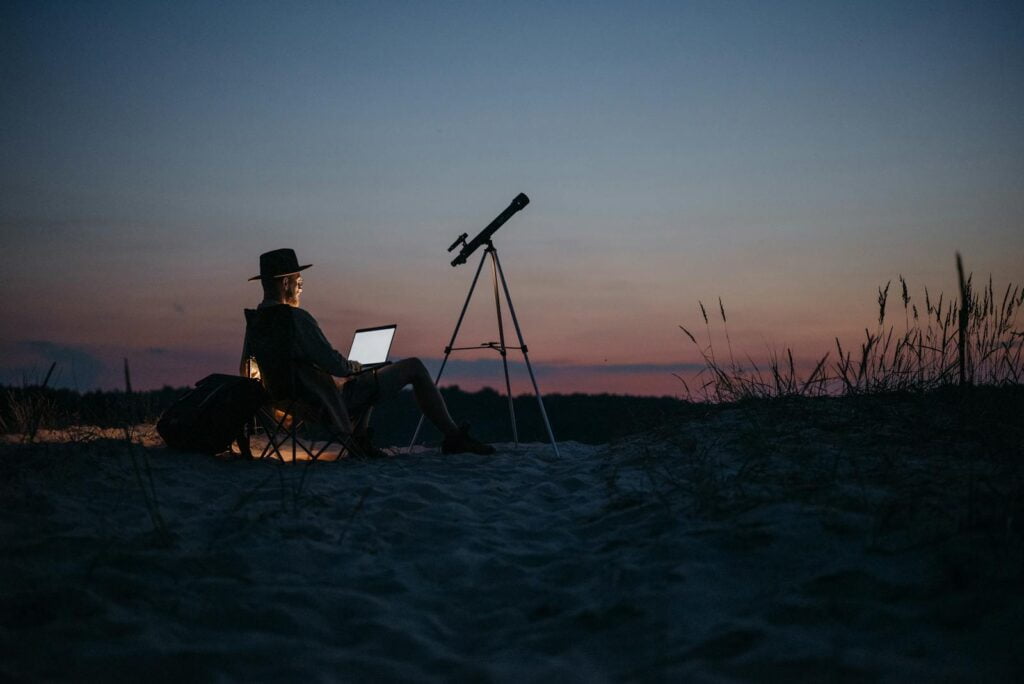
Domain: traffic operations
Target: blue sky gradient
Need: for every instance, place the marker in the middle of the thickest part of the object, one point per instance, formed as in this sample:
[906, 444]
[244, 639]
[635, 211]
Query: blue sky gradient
[789, 157]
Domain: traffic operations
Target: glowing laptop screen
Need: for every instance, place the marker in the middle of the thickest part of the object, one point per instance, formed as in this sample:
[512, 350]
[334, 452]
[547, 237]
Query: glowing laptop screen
[372, 345]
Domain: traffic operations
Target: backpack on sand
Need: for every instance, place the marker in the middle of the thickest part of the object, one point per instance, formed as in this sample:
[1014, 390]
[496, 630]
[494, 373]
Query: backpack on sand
[211, 416]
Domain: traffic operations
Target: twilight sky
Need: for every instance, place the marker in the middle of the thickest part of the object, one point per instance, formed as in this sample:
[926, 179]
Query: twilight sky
[789, 157]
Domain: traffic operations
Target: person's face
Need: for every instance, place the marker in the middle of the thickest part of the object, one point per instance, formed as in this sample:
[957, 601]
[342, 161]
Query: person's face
[292, 289]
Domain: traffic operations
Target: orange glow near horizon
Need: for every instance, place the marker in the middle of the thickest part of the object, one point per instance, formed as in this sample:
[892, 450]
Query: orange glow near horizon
[575, 347]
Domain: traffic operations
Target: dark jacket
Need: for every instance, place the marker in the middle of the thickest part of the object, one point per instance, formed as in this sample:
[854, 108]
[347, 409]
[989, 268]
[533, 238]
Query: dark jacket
[295, 361]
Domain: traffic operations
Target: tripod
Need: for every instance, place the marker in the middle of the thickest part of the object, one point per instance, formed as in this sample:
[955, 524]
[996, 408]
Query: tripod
[498, 275]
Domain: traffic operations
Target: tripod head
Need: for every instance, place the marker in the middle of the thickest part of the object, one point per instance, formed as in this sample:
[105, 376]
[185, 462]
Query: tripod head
[484, 236]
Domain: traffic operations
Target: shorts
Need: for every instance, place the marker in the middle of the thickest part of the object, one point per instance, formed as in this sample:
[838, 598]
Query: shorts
[360, 392]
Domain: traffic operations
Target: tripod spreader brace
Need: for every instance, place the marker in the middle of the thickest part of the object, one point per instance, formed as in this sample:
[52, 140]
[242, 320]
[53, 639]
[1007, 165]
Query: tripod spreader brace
[496, 346]
[500, 348]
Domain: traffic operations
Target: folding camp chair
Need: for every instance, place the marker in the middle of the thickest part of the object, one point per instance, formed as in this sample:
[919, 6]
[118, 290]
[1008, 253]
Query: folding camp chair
[292, 426]
[291, 419]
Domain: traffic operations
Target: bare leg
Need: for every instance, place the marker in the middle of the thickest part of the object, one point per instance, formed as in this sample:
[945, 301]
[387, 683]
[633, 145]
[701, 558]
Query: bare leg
[412, 372]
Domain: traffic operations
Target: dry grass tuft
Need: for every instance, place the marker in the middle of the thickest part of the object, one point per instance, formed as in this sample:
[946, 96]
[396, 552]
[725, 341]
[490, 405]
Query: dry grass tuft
[972, 340]
[28, 409]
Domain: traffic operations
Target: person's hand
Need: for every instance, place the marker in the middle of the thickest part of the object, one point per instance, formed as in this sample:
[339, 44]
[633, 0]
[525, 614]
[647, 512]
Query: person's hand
[356, 366]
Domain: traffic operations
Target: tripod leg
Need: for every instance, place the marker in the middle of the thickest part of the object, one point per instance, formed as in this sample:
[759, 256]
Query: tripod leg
[526, 357]
[501, 341]
[451, 343]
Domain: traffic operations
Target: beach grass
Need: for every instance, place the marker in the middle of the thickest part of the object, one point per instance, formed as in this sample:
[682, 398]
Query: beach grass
[971, 339]
[917, 428]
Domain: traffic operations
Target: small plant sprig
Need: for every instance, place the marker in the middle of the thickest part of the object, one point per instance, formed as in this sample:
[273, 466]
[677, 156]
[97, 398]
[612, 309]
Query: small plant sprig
[732, 382]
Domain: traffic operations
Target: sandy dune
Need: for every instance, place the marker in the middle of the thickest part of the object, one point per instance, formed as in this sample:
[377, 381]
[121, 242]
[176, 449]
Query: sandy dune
[684, 556]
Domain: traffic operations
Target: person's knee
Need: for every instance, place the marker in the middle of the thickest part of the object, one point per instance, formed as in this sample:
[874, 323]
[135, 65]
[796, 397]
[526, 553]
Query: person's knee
[415, 366]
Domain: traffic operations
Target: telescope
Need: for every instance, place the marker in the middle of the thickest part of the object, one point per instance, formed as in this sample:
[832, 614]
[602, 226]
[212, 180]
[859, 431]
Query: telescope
[484, 236]
[498, 276]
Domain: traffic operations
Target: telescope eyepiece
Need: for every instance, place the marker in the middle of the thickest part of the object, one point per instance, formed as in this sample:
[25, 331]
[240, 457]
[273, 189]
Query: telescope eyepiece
[461, 240]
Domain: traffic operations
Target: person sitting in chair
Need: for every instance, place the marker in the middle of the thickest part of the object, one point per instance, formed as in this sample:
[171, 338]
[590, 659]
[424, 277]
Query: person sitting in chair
[287, 343]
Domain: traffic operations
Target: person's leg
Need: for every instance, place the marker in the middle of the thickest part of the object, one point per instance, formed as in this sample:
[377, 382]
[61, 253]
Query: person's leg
[392, 378]
[364, 420]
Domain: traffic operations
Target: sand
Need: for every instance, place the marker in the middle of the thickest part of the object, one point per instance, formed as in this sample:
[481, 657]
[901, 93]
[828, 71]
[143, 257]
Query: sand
[686, 555]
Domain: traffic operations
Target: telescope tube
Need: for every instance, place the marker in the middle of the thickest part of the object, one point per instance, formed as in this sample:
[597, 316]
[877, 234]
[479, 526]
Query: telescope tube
[484, 236]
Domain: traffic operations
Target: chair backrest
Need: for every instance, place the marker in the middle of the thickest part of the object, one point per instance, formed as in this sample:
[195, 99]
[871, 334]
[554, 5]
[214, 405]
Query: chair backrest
[269, 334]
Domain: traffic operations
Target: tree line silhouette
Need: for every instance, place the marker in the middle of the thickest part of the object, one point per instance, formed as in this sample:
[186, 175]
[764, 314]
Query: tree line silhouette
[586, 418]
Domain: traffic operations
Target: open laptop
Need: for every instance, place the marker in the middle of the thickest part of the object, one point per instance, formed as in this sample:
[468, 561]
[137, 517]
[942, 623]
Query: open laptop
[371, 346]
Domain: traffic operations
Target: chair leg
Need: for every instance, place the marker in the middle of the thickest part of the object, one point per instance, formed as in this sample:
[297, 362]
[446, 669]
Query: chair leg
[281, 431]
[274, 444]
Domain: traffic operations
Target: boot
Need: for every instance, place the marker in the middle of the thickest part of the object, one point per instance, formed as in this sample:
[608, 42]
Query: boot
[460, 443]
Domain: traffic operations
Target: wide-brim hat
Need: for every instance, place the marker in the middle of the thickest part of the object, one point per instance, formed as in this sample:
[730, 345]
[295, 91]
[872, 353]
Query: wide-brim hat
[277, 263]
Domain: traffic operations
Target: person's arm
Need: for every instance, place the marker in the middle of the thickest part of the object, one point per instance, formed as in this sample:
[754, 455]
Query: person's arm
[313, 347]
